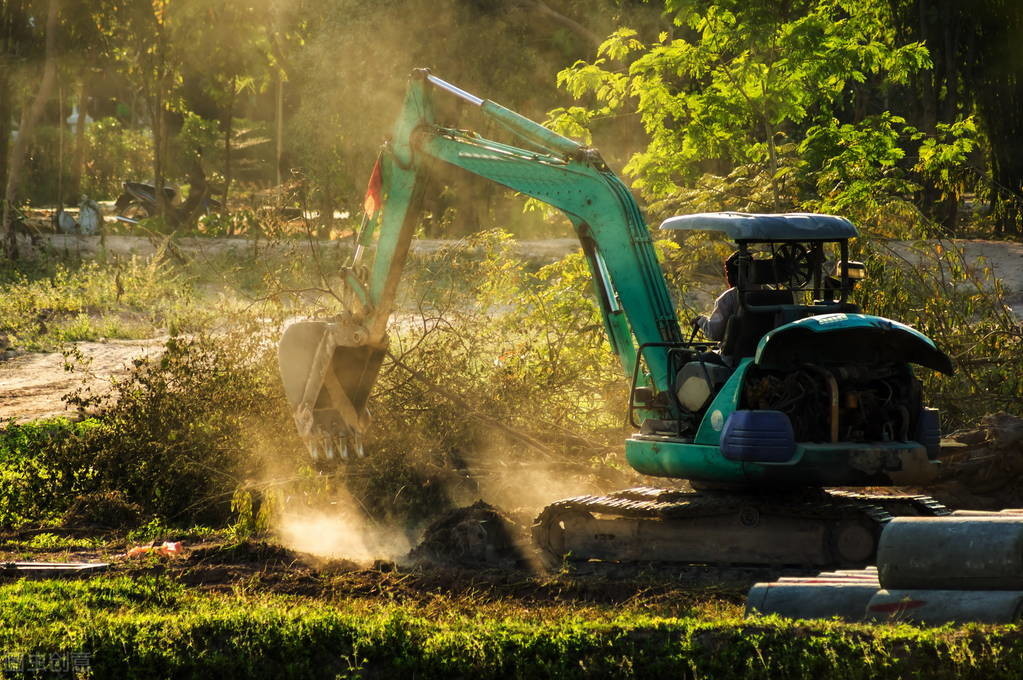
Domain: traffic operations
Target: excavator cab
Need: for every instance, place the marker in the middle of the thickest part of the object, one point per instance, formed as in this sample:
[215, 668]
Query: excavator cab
[811, 392]
[786, 267]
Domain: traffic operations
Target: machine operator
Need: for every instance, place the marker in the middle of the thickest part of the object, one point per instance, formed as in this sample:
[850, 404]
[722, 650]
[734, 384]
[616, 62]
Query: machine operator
[725, 306]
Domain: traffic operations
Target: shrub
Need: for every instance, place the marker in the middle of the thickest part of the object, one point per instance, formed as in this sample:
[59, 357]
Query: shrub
[175, 437]
[931, 286]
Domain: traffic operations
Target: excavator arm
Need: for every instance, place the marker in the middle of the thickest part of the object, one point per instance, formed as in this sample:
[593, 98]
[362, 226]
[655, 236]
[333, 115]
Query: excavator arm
[328, 367]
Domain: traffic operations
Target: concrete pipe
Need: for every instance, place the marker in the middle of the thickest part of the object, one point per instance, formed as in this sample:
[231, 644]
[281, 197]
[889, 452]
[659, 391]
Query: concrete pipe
[952, 553]
[936, 607]
[987, 513]
[814, 599]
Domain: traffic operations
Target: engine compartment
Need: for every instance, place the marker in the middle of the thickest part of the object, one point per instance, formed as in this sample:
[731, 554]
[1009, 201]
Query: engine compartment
[849, 403]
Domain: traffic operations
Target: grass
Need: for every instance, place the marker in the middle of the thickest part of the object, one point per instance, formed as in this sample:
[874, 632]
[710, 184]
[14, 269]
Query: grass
[48, 304]
[58, 298]
[152, 627]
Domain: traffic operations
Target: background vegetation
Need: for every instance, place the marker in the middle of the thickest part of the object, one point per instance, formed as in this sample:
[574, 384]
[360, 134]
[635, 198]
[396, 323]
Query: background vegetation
[902, 114]
[499, 367]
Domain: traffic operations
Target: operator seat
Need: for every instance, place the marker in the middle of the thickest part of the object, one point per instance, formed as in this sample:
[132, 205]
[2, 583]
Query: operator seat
[747, 326]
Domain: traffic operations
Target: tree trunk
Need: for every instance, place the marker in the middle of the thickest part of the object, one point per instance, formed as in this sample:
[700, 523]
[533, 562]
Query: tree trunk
[29, 116]
[279, 125]
[228, 132]
[159, 121]
[78, 162]
[5, 121]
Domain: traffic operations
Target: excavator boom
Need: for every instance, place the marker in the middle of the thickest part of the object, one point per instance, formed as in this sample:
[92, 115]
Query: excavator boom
[328, 367]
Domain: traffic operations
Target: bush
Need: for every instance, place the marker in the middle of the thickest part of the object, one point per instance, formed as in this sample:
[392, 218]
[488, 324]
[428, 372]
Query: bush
[145, 627]
[961, 307]
[175, 437]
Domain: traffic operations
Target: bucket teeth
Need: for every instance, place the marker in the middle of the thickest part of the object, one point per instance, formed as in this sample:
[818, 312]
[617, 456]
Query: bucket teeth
[335, 448]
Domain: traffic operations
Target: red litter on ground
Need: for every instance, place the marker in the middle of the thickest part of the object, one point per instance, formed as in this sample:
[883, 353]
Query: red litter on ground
[167, 549]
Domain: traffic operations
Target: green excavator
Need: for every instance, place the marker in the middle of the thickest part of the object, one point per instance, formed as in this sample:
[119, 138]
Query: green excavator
[804, 392]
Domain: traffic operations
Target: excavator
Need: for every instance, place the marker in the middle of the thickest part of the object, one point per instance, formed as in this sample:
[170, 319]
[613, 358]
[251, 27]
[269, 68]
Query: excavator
[804, 394]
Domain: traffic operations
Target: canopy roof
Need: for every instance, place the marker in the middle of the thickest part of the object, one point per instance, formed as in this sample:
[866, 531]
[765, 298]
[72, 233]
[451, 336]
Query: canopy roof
[763, 227]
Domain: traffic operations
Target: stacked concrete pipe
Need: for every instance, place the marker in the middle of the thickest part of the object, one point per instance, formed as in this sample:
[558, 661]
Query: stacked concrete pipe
[967, 567]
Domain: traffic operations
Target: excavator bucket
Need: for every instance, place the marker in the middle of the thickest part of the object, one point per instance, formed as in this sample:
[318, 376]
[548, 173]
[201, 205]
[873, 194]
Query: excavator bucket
[328, 369]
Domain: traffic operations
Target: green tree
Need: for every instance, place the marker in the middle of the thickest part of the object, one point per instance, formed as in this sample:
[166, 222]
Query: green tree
[147, 39]
[728, 94]
[978, 69]
[230, 55]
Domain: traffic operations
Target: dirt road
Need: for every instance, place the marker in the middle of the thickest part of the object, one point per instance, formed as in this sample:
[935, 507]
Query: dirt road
[31, 385]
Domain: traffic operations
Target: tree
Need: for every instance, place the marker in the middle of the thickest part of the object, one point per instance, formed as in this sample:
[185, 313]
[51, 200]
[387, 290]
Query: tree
[90, 56]
[729, 93]
[29, 117]
[143, 37]
[17, 41]
[226, 63]
[998, 92]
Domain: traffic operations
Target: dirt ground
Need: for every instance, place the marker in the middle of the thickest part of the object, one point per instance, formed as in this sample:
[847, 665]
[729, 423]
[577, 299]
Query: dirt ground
[32, 385]
[264, 567]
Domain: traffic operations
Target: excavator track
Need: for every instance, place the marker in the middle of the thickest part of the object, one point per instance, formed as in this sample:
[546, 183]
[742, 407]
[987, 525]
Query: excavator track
[723, 529]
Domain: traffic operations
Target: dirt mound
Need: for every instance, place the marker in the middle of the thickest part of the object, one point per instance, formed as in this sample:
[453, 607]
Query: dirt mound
[265, 554]
[477, 536]
[982, 468]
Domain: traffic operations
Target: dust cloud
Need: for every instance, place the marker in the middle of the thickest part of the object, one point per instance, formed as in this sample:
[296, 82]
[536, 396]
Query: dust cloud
[524, 481]
[529, 486]
[340, 529]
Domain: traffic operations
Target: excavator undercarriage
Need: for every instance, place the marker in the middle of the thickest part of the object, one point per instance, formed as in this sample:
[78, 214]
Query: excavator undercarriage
[810, 529]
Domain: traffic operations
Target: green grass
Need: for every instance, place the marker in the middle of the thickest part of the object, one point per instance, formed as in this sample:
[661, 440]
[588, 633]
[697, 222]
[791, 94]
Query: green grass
[48, 303]
[50, 542]
[150, 627]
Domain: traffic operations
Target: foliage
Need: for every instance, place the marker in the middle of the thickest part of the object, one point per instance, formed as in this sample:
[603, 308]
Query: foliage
[26, 479]
[931, 286]
[176, 436]
[876, 107]
[68, 301]
[765, 108]
[146, 627]
[115, 153]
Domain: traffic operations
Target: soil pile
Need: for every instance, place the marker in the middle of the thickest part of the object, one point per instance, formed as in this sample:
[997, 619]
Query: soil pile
[982, 467]
[477, 536]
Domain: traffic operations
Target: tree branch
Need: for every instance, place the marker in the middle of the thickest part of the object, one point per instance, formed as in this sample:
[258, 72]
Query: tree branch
[542, 8]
